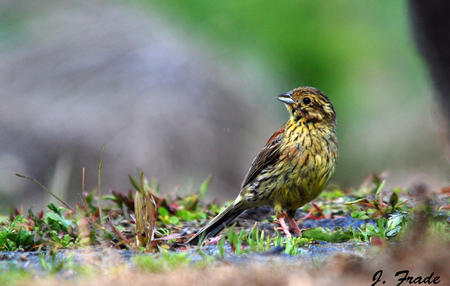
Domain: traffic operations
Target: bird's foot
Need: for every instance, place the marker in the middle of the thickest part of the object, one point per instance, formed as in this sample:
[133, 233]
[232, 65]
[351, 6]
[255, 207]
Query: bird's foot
[294, 226]
[284, 227]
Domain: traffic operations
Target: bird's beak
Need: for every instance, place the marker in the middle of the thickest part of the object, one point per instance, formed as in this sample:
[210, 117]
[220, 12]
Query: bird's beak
[286, 98]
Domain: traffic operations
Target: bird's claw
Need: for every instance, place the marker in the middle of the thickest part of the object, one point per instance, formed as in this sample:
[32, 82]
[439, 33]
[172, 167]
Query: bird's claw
[284, 227]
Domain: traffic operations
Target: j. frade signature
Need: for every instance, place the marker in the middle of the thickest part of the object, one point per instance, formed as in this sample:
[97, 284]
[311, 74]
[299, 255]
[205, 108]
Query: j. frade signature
[403, 278]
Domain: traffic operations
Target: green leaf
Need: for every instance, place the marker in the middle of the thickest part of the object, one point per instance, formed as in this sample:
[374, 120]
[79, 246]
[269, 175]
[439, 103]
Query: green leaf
[204, 187]
[359, 215]
[90, 199]
[393, 200]
[394, 224]
[58, 222]
[185, 215]
[201, 215]
[174, 220]
[134, 183]
[319, 233]
[162, 211]
[110, 198]
[379, 189]
[54, 208]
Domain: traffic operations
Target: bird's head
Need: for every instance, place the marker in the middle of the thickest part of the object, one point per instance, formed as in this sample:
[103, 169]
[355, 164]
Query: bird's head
[309, 104]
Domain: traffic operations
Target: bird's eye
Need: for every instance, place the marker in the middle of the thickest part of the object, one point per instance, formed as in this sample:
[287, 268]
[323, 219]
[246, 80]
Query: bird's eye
[306, 100]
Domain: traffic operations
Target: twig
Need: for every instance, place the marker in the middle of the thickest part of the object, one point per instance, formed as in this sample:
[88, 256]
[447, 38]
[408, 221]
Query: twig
[116, 231]
[45, 189]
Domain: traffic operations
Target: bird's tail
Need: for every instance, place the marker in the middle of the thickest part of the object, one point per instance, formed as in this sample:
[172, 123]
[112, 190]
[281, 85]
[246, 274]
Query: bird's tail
[222, 220]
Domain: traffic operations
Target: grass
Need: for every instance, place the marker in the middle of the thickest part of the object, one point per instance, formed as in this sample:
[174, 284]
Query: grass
[54, 265]
[100, 197]
[154, 221]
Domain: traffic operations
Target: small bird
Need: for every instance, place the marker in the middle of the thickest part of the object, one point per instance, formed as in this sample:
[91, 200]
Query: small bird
[292, 168]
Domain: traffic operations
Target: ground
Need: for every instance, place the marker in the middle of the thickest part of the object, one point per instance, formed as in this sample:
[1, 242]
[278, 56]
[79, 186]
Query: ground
[348, 235]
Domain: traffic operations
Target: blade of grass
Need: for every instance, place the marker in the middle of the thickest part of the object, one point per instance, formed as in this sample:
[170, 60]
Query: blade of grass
[45, 189]
[202, 238]
[221, 247]
[378, 191]
[134, 183]
[100, 166]
[83, 180]
[141, 184]
[204, 187]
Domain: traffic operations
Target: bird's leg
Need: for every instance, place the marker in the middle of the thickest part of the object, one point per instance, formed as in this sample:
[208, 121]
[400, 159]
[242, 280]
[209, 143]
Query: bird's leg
[292, 223]
[280, 214]
[284, 226]
[310, 213]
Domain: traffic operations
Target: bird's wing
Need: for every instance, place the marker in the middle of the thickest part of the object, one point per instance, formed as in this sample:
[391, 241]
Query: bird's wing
[268, 155]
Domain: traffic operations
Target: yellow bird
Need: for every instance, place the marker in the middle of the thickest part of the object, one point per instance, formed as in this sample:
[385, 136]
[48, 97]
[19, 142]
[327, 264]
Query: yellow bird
[293, 167]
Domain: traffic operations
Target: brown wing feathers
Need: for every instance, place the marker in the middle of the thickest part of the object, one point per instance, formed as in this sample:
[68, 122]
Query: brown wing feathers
[268, 155]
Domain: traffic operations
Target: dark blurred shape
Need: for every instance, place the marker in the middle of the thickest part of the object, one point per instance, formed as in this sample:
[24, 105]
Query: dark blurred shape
[431, 24]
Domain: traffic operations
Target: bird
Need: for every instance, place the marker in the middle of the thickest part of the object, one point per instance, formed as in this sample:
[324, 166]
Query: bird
[293, 167]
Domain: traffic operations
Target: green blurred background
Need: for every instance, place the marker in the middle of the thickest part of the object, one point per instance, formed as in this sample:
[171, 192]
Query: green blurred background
[360, 53]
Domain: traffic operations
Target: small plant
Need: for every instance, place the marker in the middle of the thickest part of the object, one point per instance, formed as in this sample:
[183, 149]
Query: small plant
[205, 261]
[255, 240]
[384, 228]
[372, 205]
[221, 247]
[292, 246]
[16, 235]
[55, 264]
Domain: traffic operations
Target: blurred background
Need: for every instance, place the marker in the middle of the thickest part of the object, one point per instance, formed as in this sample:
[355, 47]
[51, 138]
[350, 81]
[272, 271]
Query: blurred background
[182, 89]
